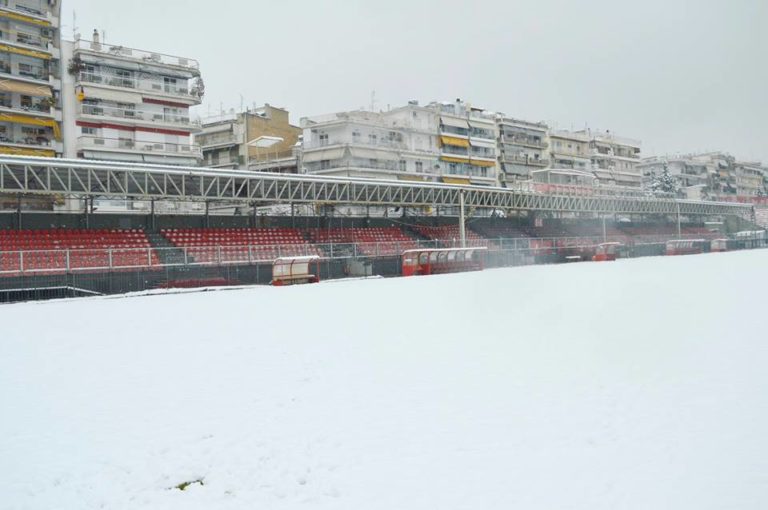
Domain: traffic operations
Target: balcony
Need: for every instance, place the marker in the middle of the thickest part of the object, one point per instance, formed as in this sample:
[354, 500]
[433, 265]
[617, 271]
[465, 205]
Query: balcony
[126, 144]
[217, 139]
[139, 115]
[27, 141]
[148, 57]
[154, 86]
[457, 151]
[516, 139]
[15, 37]
[24, 9]
[361, 142]
[522, 159]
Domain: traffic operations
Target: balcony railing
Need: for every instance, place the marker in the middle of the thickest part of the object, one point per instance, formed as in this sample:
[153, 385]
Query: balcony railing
[524, 160]
[26, 9]
[36, 107]
[14, 36]
[97, 142]
[206, 140]
[132, 83]
[37, 141]
[141, 55]
[139, 115]
[362, 142]
[523, 140]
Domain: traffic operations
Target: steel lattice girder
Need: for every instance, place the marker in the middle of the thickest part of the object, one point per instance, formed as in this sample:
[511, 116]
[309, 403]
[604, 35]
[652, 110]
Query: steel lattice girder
[147, 182]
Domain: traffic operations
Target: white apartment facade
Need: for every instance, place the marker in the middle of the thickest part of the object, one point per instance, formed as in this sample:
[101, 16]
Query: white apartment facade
[439, 142]
[124, 104]
[615, 159]
[30, 78]
[370, 145]
[522, 148]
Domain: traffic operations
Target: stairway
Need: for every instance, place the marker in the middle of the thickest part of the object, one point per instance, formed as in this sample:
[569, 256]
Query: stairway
[168, 253]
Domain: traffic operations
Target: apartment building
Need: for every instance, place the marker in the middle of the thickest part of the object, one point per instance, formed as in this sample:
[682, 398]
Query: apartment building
[398, 145]
[259, 139]
[712, 174]
[439, 142]
[125, 104]
[570, 151]
[468, 143]
[522, 147]
[615, 159]
[750, 179]
[30, 80]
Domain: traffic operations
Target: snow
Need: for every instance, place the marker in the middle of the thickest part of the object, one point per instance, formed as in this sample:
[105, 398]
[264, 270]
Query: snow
[635, 384]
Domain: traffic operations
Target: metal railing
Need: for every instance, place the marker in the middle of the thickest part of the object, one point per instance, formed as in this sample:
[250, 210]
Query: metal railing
[30, 262]
[361, 142]
[130, 113]
[14, 36]
[133, 83]
[139, 145]
[142, 55]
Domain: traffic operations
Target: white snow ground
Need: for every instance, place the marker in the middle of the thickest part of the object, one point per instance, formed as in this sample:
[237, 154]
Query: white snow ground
[640, 384]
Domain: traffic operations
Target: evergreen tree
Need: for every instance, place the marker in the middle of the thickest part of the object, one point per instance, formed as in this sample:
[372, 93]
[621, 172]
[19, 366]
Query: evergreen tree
[664, 183]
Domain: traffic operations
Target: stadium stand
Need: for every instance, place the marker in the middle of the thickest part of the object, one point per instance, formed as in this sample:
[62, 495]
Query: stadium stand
[449, 236]
[239, 245]
[385, 241]
[51, 251]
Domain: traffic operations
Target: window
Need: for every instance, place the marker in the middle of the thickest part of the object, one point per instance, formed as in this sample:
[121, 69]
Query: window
[419, 167]
[324, 139]
[355, 136]
[88, 131]
[403, 166]
[373, 139]
[373, 162]
[325, 164]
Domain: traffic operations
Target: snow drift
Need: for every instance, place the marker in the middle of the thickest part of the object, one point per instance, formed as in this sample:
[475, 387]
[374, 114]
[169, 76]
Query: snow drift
[635, 384]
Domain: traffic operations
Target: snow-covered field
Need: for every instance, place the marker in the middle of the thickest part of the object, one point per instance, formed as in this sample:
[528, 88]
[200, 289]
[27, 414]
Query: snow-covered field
[639, 384]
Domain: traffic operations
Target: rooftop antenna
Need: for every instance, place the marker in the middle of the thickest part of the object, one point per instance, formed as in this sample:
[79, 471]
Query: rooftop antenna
[242, 102]
[373, 100]
[75, 30]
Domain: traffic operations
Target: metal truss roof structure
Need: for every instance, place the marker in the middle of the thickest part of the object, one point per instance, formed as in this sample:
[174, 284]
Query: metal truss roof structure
[84, 178]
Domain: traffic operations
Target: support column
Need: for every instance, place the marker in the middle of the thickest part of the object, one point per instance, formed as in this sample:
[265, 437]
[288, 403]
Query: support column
[19, 222]
[462, 231]
[207, 219]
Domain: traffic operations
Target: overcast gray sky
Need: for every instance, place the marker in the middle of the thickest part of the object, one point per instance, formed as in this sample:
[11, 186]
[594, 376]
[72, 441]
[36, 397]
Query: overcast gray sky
[681, 75]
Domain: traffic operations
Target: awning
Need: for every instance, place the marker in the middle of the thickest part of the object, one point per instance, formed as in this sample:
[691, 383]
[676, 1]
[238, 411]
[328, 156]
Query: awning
[482, 125]
[21, 51]
[418, 178]
[480, 162]
[373, 154]
[32, 121]
[111, 95]
[454, 122]
[451, 159]
[25, 19]
[27, 89]
[482, 143]
[456, 142]
[19, 151]
[455, 180]
[326, 154]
